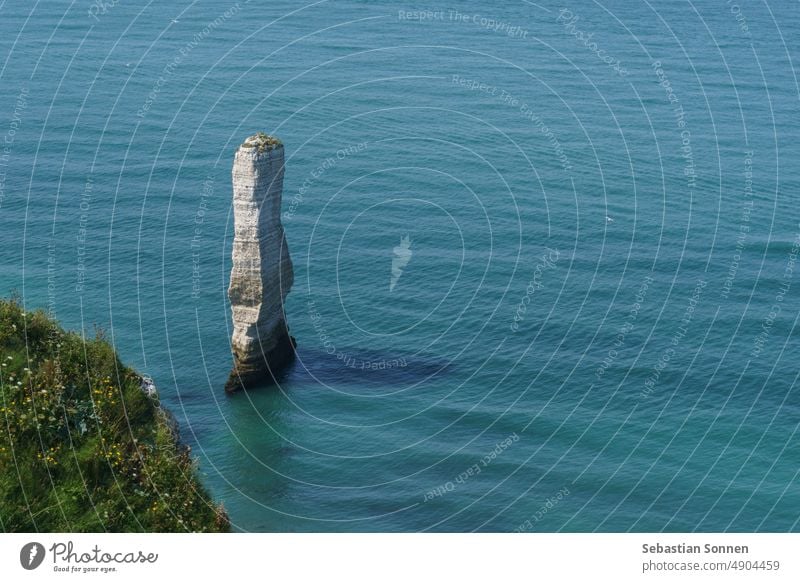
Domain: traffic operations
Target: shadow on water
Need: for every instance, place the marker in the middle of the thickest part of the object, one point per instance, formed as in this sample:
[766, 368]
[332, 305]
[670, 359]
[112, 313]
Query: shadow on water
[372, 367]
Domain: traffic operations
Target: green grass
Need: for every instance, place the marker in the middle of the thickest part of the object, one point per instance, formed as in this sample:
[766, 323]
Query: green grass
[82, 448]
[262, 141]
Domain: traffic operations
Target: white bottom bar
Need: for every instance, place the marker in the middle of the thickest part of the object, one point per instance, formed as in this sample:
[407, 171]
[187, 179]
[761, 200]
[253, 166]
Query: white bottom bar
[401, 557]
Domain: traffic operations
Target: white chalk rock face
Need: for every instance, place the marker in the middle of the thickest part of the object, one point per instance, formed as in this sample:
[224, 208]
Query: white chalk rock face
[262, 273]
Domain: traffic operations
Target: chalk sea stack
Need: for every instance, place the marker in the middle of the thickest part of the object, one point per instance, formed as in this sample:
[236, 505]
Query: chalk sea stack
[262, 273]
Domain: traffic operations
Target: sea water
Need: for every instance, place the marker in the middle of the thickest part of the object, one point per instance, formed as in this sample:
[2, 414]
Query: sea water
[545, 255]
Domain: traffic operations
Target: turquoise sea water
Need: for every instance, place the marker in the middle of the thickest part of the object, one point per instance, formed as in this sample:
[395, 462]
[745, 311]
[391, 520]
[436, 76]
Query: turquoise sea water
[595, 329]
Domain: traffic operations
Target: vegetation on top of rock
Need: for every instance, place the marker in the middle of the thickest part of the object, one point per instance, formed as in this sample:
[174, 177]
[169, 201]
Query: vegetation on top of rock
[262, 141]
[82, 447]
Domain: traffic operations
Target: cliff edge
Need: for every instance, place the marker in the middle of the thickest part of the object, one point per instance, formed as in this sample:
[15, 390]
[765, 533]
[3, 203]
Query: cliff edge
[85, 444]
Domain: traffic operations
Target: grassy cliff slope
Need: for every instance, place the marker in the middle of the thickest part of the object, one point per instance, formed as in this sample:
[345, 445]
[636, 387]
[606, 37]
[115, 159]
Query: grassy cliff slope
[82, 448]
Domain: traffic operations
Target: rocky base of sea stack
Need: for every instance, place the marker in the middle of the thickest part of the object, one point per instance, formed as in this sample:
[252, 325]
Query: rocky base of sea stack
[263, 371]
